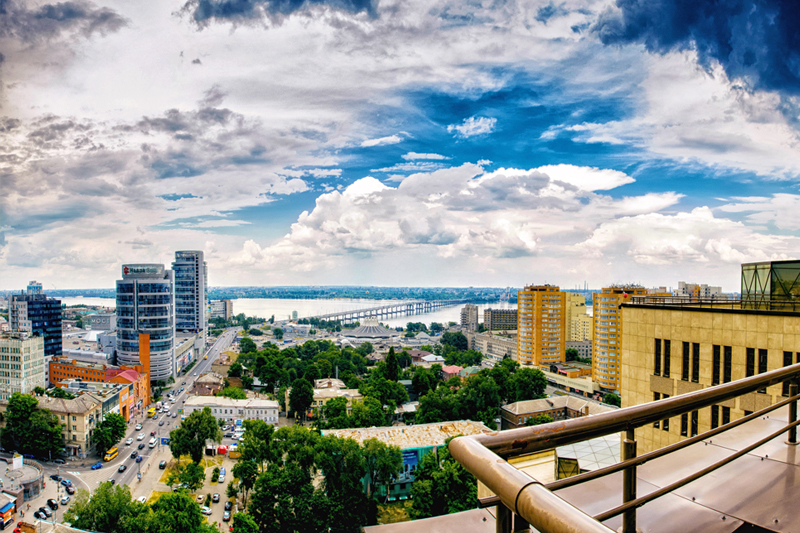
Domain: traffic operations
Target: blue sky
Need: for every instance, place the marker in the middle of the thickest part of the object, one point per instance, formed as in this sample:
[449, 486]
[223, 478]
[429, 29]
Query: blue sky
[399, 142]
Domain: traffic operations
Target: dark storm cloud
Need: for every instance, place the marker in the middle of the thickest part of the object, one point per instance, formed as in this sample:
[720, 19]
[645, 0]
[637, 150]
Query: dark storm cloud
[549, 11]
[52, 20]
[203, 12]
[754, 40]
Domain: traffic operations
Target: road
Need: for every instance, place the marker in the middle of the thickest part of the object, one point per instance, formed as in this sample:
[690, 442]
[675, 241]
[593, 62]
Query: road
[81, 474]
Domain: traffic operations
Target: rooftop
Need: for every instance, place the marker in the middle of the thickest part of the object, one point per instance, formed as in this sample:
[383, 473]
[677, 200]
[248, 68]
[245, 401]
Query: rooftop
[556, 402]
[80, 405]
[222, 401]
[416, 436]
[371, 329]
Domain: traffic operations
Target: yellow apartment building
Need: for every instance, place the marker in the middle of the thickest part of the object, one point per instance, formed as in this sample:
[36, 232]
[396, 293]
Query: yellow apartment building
[541, 325]
[607, 342]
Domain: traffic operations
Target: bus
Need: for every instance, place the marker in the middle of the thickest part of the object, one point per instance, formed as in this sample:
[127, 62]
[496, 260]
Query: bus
[110, 454]
[151, 412]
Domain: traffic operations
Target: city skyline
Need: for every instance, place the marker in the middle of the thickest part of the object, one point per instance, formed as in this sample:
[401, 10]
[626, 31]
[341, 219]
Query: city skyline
[386, 143]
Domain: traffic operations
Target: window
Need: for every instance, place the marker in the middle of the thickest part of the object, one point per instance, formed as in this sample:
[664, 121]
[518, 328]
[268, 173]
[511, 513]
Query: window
[695, 362]
[726, 415]
[665, 422]
[74, 428]
[657, 363]
[656, 397]
[726, 374]
[715, 365]
[684, 424]
[787, 361]
[667, 346]
[685, 369]
[750, 363]
[694, 423]
[73, 419]
[762, 366]
[714, 416]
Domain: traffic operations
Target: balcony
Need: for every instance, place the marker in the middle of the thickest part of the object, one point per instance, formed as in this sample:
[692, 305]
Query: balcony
[742, 476]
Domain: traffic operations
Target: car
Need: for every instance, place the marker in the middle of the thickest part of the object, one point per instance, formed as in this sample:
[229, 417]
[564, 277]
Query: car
[97, 466]
[184, 383]
[70, 490]
[28, 456]
[139, 459]
[141, 446]
[52, 504]
[195, 373]
[47, 512]
[128, 441]
[215, 497]
[65, 500]
[39, 515]
[228, 505]
[112, 481]
[174, 415]
[60, 461]
[228, 435]
[66, 482]
[153, 433]
[55, 477]
[138, 427]
[122, 468]
[141, 499]
[205, 510]
[226, 516]
[140, 436]
[200, 498]
[134, 454]
[161, 423]
[162, 465]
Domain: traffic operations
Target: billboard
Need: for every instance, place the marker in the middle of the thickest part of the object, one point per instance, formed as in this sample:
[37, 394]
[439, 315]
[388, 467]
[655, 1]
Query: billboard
[16, 462]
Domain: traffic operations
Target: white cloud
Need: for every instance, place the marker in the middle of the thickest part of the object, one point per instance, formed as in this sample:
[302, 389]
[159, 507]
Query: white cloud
[473, 126]
[411, 156]
[781, 210]
[219, 224]
[392, 139]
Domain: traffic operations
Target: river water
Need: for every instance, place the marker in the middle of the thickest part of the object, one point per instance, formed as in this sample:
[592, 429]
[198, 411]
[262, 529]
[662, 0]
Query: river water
[282, 308]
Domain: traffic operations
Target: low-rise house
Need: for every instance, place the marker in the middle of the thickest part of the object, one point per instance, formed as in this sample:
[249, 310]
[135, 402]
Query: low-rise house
[228, 409]
[517, 414]
[450, 371]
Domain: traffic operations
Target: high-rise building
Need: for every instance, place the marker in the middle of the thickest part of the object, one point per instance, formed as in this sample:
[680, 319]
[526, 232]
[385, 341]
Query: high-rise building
[576, 307]
[35, 313]
[22, 363]
[191, 289]
[146, 304]
[541, 325]
[221, 309]
[469, 317]
[694, 290]
[582, 328]
[500, 319]
[606, 364]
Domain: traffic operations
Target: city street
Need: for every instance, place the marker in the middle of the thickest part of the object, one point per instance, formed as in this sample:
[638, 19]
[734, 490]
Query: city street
[83, 477]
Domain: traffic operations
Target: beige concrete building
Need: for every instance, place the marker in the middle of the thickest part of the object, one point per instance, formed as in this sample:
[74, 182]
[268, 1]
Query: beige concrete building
[228, 409]
[469, 317]
[22, 363]
[541, 325]
[582, 328]
[500, 319]
[575, 308]
[494, 346]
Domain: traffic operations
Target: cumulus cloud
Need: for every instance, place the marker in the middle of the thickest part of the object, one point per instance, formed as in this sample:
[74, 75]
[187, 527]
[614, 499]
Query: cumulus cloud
[382, 141]
[781, 210]
[51, 21]
[413, 156]
[473, 126]
[203, 12]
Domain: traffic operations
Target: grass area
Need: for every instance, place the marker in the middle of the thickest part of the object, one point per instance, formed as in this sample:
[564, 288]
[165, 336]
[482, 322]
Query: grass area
[211, 462]
[389, 513]
[154, 496]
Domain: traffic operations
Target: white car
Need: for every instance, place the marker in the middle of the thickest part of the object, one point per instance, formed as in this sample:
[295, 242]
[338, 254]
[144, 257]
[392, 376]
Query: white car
[138, 427]
[141, 499]
[205, 510]
[140, 436]
[128, 441]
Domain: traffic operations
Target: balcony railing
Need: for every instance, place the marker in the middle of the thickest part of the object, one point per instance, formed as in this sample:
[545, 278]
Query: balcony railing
[485, 455]
[759, 302]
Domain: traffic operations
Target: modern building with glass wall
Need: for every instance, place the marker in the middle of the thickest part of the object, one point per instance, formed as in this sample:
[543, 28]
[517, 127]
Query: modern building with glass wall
[146, 304]
[771, 285]
[35, 313]
[191, 290]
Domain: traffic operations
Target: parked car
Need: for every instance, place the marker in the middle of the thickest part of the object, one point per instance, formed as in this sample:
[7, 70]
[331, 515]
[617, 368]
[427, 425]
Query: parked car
[139, 459]
[141, 499]
[205, 510]
[162, 465]
[200, 498]
[141, 446]
[112, 481]
[39, 515]
[228, 435]
[134, 454]
[228, 505]
[122, 468]
[70, 490]
[65, 500]
[226, 516]
[215, 498]
[128, 441]
[55, 477]
[97, 466]
[47, 512]
[60, 461]
[66, 482]
[52, 503]
[140, 436]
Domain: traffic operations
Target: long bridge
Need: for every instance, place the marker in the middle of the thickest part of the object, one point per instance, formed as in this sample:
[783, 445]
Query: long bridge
[410, 307]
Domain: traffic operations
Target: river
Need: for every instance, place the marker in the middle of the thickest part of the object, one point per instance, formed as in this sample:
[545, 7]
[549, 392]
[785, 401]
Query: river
[282, 308]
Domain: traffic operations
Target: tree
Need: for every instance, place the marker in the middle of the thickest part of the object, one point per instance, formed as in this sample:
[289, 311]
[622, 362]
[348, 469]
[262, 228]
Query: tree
[612, 399]
[110, 510]
[479, 399]
[190, 474]
[256, 445]
[233, 392]
[312, 373]
[383, 462]
[457, 340]
[176, 511]
[392, 366]
[438, 405]
[246, 345]
[30, 429]
[334, 414]
[255, 332]
[436, 327]
[244, 523]
[301, 397]
[247, 474]
[442, 486]
[539, 419]
[285, 501]
[365, 348]
[58, 392]
[528, 384]
[235, 370]
[39, 391]
[272, 319]
[193, 433]
[367, 413]
[571, 354]
[247, 382]
[277, 333]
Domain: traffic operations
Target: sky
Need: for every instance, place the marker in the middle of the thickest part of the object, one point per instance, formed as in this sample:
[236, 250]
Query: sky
[399, 142]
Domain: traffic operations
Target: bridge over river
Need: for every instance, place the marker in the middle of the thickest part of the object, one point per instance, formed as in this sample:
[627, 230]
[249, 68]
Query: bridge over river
[410, 307]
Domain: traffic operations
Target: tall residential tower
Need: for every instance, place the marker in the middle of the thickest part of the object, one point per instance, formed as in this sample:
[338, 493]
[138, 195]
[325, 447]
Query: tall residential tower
[541, 325]
[191, 292]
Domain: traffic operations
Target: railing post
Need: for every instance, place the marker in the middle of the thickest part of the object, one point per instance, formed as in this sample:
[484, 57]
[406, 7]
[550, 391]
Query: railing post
[629, 481]
[503, 519]
[792, 413]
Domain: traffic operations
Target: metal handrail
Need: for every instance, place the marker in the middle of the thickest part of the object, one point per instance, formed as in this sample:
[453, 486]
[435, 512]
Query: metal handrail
[483, 455]
[522, 441]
